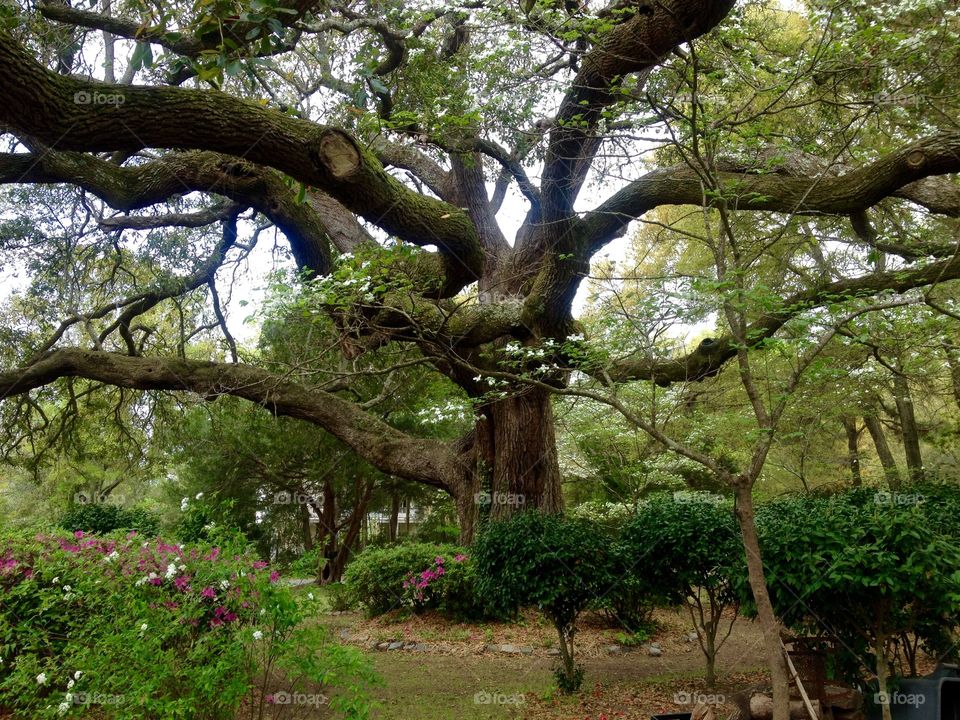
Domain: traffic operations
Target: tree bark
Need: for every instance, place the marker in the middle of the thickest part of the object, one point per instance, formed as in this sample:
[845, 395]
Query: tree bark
[305, 527]
[333, 569]
[953, 361]
[517, 458]
[887, 461]
[853, 449]
[769, 623]
[908, 425]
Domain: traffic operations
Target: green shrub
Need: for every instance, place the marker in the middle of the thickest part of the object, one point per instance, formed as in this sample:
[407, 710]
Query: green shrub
[877, 570]
[155, 630]
[385, 579]
[103, 518]
[685, 548]
[340, 597]
[556, 563]
[307, 565]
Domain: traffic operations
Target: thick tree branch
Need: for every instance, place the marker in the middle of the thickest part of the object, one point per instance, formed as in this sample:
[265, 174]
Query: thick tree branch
[394, 452]
[638, 43]
[66, 113]
[712, 354]
[139, 186]
[834, 195]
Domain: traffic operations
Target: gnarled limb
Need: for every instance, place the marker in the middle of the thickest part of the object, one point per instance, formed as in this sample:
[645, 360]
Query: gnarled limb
[711, 355]
[844, 194]
[394, 452]
[63, 112]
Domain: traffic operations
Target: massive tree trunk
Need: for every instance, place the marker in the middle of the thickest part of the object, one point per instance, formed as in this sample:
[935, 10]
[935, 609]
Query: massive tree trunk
[887, 461]
[908, 425]
[517, 458]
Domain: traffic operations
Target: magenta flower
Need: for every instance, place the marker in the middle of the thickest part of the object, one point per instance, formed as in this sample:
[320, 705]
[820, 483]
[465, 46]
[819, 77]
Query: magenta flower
[208, 592]
[459, 557]
[213, 554]
[78, 534]
[274, 576]
[182, 583]
[259, 564]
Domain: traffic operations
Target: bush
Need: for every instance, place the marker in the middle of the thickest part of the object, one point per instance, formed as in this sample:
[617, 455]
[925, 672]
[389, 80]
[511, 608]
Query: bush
[154, 630]
[101, 518]
[385, 579]
[880, 575]
[686, 549]
[307, 565]
[556, 563]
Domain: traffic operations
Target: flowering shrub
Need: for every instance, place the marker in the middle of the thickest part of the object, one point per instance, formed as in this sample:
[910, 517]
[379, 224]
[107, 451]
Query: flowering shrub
[151, 629]
[417, 576]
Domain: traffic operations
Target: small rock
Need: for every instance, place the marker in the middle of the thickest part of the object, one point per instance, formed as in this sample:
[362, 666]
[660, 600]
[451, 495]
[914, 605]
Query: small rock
[409, 646]
[491, 648]
[691, 637]
[395, 646]
[526, 650]
[344, 634]
[553, 652]
[613, 649]
[653, 651]
[843, 698]
[510, 649]
[383, 646]
[372, 644]
[421, 647]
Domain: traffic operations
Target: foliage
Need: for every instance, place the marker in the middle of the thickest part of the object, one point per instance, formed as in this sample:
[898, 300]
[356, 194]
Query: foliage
[556, 563]
[417, 576]
[686, 548]
[869, 568]
[102, 518]
[307, 565]
[155, 629]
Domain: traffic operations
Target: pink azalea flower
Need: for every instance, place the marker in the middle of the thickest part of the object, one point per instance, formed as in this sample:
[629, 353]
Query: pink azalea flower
[259, 565]
[274, 576]
[208, 592]
[78, 534]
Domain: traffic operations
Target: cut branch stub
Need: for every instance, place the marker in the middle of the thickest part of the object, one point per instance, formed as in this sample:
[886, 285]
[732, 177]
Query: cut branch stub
[338, 154]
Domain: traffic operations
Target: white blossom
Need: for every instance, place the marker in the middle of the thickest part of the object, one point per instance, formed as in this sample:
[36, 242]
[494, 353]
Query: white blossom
[257, 635]
[42, 679]
[62, 708]
[143, 627]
